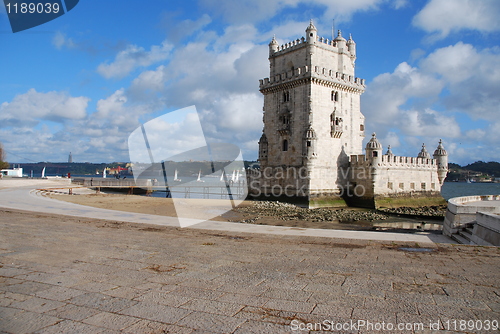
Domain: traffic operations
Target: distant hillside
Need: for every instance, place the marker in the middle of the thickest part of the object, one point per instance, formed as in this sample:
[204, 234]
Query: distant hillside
[491, 168]
[478, 171]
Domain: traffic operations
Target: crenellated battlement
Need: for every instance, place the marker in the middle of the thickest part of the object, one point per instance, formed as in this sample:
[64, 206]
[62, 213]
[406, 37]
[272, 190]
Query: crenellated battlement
[293, 45]
[330, 44]
[392, 161]
[315, 72]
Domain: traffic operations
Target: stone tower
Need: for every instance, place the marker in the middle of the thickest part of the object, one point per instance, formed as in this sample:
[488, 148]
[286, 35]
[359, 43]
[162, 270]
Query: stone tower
[312, 118]
[441, 157]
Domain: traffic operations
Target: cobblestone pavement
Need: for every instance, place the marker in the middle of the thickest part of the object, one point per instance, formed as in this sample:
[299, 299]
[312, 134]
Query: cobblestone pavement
[61, 274]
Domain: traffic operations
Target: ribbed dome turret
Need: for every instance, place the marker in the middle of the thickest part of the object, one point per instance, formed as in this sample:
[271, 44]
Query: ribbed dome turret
[310, 133]
[440, 151]
[339, 37]
[273, 41]
[423, 153]
[273, 46]
[373, 144]
[311, 33]
[350, 40]
[311, 27]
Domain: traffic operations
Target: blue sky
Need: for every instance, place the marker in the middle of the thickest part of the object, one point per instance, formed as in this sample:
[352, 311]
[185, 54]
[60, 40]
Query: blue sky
[84, 81]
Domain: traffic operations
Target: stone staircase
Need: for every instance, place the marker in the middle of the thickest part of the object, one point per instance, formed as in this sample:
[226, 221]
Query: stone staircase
[464, 235]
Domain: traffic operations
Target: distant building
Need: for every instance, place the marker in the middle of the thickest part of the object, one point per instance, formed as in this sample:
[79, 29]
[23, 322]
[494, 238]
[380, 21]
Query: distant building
[311, 145]
[15, 172]
[70, 158]
[116, 170]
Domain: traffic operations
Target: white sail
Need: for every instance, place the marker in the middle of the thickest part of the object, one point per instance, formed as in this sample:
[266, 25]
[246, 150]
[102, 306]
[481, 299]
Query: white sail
[233, 177]
[43, 173]
[104, 173]
[199, 177]
[222, 176]
[175, 177]
[237, 176]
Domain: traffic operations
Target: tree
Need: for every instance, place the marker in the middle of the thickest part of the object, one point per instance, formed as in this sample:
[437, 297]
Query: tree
[3, 164]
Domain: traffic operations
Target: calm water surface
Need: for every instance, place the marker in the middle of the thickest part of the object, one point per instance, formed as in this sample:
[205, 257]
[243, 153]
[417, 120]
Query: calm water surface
[456, 189]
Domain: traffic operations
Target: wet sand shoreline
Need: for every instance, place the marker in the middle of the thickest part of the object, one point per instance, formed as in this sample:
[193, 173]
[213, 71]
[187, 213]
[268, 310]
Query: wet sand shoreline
[251, 212]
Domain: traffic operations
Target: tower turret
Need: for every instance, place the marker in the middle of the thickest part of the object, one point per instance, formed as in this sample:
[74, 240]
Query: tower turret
[423, 153]
[311, 33]
[389, 151]
[273, 46]
[374, 150]
[351, 46]
[340, 41]
[310, 143]
[441, 156]
[263, 147]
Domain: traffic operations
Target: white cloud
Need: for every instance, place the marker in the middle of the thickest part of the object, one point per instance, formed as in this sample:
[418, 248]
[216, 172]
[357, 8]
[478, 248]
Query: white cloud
[388, 92]
[60, 40]
[150, 80]
[131, 58]
[457, 80]
[472, 77]
[254, 11]
[31, 107]
[185, 28]
[443, 17]
[454, 63]
[428, 123]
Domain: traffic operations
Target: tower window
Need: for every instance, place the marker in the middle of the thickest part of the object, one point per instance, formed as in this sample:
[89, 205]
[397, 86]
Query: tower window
[375, 154]
[335, 96]
[361, 127]
[286, 96]
[285, 145]
[308, 143]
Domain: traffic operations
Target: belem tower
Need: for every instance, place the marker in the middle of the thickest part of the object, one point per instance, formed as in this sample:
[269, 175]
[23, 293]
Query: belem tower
[311, 148]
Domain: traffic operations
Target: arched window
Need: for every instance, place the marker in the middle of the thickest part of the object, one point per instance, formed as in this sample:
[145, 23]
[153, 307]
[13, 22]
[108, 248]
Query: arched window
[285, 145]
[335, 96]
[361, 127]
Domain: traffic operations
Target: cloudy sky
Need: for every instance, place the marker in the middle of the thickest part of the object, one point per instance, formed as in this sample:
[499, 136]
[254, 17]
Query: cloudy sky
[86, 80]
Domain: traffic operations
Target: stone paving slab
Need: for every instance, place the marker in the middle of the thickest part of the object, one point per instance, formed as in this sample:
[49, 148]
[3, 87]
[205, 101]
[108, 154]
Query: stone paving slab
[61, 274]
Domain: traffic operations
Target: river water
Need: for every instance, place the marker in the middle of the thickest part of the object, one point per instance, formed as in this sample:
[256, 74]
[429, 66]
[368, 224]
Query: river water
[456, 189]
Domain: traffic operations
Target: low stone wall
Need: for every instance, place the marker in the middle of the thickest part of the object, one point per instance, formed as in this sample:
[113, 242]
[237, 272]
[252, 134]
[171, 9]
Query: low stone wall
[486, 231]
[458, 214]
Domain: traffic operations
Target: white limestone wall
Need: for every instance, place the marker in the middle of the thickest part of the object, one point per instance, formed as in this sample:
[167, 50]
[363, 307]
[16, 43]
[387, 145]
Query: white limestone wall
[283, 61]
[458, 214]
[486, 231]
[396, 179]
[327, 56]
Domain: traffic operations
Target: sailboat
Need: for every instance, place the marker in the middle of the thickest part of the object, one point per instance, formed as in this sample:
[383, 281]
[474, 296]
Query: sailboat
[104, 173]
[176, 179]
[237, 176]
[233, 177]
[43, 173]
[199, 177]
[222, 176]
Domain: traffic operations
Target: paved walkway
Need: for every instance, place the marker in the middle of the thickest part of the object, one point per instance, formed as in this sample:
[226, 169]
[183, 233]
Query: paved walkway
[61, 274]
[24, 198]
